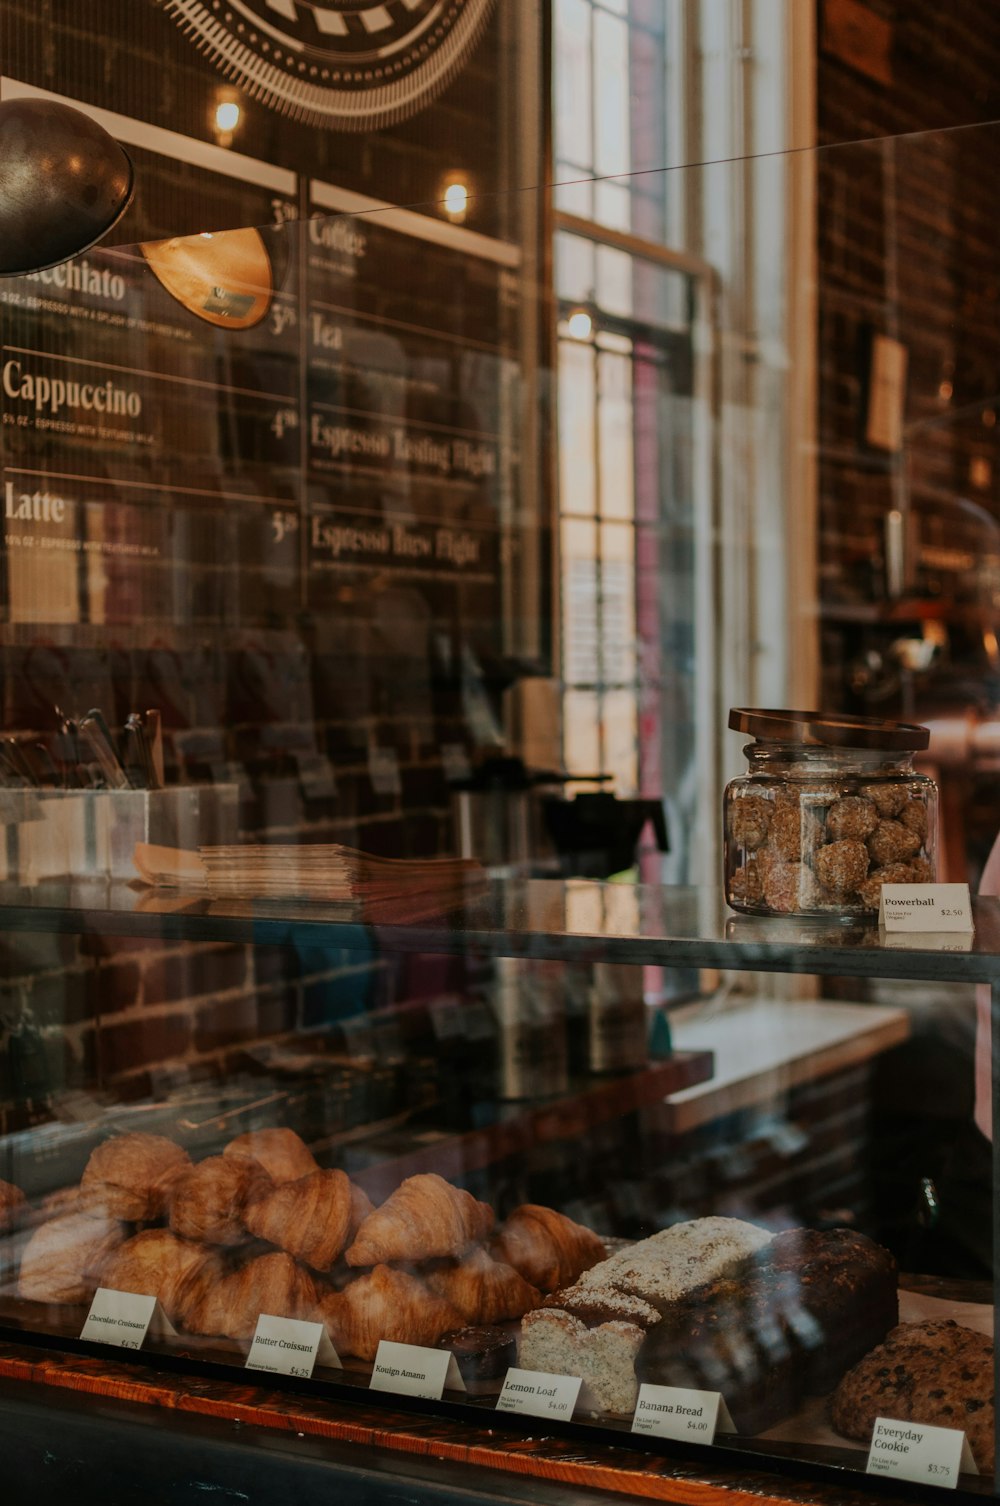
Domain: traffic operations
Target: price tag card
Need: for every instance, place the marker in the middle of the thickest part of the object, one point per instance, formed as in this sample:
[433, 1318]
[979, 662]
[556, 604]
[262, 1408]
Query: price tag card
[925, 907]
[125, 1319]
[916, 1451]
[286, 1346]
[927, 941]
[677, 1412]
[412, 1370]
[538, 1394]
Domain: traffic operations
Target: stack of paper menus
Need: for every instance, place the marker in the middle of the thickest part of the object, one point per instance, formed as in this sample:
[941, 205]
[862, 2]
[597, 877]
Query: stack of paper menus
[324, 872]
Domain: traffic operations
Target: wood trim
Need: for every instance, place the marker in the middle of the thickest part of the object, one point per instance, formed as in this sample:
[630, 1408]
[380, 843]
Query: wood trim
[646, 1476]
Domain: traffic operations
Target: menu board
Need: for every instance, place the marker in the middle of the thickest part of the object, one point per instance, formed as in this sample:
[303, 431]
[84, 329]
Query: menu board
[335, 473]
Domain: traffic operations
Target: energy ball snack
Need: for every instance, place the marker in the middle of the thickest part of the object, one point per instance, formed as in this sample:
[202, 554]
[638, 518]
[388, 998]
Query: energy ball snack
[852, 816]
[842, 867]
[818, 825]
[750, 822]
[892, 842]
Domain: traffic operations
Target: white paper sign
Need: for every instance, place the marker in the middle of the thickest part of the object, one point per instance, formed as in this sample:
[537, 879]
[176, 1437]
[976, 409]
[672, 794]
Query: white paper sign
[538, 1394]
[927, 941]
[412, 1370]
[925, 907]
[383, 771]
[124, 1319]
[916, 1451]
[677, 1412]
[286, 1346]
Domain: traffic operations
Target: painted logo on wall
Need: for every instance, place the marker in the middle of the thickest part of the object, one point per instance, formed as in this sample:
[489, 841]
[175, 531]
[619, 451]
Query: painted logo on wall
[347, 64]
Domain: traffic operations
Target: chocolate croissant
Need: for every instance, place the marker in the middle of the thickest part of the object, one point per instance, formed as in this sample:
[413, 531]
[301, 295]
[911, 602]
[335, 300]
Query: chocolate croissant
[312, 1218]
[131, 1176]
[547, 1248]
[282, 1154]
[13, 1205]
[484, 1290]
[207, 1203]
[385, 1304]
[229, 1305]
[64, 1260]
[424, 1219]
[157, 1264]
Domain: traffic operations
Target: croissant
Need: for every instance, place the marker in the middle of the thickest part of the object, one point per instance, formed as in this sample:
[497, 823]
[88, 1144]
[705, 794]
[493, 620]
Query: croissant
[64, 1259]
[547, 1248]
[130, 1176]
[484, 1290]
[424, 1218]
[157, 1264]
[207, 1202]
[12, 1205]
[311, 1218]
[361, 1206]
[385, 1304]
[229, 1305]
[282, 1154]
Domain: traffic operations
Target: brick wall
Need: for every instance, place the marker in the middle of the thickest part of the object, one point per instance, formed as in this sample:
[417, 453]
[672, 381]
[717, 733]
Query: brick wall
[907, 248]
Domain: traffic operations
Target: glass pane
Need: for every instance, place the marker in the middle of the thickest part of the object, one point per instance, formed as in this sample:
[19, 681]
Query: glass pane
[616, 440]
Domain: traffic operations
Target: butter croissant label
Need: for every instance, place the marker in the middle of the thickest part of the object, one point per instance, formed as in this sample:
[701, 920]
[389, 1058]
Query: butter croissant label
[538, 1394]
[125, 1319]
[287, 1346]
[412, 1370]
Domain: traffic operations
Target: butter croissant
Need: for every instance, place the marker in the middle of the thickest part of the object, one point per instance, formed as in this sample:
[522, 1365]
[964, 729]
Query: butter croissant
[484, 1290]
[207, 1203]
[282, 1154]
[312, 1218]
[425, 1218]
[385, 1304]
[229, 1305]
[13, 1205]
[157, 1264]
[64, 1259]
[546, 1247]
[131, 1176]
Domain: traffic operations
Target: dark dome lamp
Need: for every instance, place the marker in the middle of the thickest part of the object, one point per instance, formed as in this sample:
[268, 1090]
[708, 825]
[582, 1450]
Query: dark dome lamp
[64, 182]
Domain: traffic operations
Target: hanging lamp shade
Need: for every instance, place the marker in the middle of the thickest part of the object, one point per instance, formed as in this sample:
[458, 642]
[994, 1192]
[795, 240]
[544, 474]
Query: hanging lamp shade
[225, 277]
[63, 183]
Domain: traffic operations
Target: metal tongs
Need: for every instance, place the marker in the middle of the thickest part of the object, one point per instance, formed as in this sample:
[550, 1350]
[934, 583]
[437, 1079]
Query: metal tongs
[142, 751]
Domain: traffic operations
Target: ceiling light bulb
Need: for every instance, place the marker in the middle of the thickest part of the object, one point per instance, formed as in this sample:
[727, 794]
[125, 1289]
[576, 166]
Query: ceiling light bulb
[227, 115]
[456, 199]
[580, 325]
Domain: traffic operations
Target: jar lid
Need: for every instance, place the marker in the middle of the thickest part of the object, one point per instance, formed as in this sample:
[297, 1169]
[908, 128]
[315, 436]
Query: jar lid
[828, 730]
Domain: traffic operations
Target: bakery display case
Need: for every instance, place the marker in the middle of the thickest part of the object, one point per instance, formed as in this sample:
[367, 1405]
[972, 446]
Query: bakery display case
[402, 1038]
[378, 1190]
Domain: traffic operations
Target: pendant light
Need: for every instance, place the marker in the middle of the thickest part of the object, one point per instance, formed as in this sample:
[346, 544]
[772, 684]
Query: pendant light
[64, 182]
[225, 277]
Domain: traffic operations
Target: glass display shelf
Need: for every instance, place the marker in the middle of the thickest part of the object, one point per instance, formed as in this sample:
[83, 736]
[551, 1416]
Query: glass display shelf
[563, 920]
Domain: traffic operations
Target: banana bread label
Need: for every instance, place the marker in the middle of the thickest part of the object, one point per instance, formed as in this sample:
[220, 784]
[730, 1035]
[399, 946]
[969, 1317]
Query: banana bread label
[678, 1412]
[916, 1451]
[925, 907]
[412, 1370]
[538, 1394]
[286, 1346]
[125, 1319]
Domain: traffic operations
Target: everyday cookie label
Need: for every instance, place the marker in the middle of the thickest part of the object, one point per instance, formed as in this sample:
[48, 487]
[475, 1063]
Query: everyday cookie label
[538, 1394]
[412, 1370]
[925, 907]
[287, 1346]
[915, 1451]
[678, 1412]
[125, 1319]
